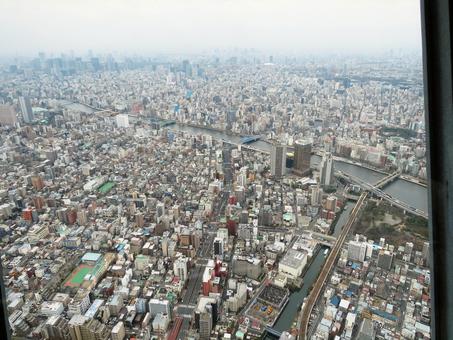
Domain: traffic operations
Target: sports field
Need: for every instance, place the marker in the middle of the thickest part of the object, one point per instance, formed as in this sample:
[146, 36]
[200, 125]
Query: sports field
[106, 187]
[77, 275]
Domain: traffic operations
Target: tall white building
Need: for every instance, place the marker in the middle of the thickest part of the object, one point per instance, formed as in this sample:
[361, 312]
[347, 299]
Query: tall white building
[180, 268]
[25, 107]
[315, 195]
[357, 250]
[122, 120]
[278, 160]
[326, 170]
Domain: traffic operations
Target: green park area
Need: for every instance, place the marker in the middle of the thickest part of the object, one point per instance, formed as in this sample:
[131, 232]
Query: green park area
[106, 187]
[380, 219]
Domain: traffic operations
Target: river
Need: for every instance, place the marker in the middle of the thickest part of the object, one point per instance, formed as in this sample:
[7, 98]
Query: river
[407, 192]
[413, 194]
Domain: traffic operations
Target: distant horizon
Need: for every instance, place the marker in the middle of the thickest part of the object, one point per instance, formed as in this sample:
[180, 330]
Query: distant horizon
[180, 27]
[222, 54]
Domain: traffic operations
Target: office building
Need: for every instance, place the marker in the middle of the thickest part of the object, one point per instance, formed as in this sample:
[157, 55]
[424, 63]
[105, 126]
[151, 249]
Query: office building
[218, 246]
[326, 170]
[7, 115]
[180, 268]
[246, 266]
[315, 195]
[302, 157]
[278, 160]
[205, 325]
[25, 107]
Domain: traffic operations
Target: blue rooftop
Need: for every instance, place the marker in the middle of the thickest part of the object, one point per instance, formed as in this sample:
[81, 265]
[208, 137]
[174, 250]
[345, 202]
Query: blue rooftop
[335, 300]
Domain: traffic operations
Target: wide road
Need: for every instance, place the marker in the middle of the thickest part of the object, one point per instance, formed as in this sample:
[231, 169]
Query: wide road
[190, 297]
[304, 316]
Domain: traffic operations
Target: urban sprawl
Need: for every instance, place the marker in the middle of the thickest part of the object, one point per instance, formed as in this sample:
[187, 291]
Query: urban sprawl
[221, 197]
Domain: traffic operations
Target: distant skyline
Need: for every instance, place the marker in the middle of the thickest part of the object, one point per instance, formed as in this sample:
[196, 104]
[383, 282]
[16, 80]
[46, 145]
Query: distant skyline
[196, 26]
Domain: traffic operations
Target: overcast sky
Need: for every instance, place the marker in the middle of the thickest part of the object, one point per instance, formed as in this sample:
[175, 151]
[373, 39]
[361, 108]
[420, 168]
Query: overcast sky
[173, 26]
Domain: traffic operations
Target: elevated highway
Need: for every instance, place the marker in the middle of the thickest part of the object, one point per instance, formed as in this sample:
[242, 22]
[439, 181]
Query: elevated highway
[381, 194]
[304, 316]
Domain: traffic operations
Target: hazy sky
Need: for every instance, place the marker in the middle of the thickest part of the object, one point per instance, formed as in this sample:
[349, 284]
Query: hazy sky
[142, 26]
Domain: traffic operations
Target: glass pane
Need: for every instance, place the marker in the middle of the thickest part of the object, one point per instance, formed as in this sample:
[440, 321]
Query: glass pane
[237, 170]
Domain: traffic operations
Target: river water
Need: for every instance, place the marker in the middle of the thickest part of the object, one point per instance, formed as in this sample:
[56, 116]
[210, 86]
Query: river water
[408, 192]
[413, 194]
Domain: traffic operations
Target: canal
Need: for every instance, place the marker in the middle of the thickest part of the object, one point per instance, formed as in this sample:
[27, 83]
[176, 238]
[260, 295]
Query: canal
[285, 321]
[411, 193]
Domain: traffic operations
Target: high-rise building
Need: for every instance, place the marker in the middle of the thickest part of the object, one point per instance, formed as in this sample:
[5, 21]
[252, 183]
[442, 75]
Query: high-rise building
[25, 107]
[331, 203]
[316, 195]
[326, 170]
[302, 157]
[80, 303]
[408, 248]
[205, 325]
[180, 268]
[218, 246]
[265, 215]
[94, 330]
[7, 115]
[278, 160]
[356, 251]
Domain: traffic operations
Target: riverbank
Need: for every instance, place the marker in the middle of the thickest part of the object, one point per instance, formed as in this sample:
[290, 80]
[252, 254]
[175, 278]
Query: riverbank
[405, 188]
